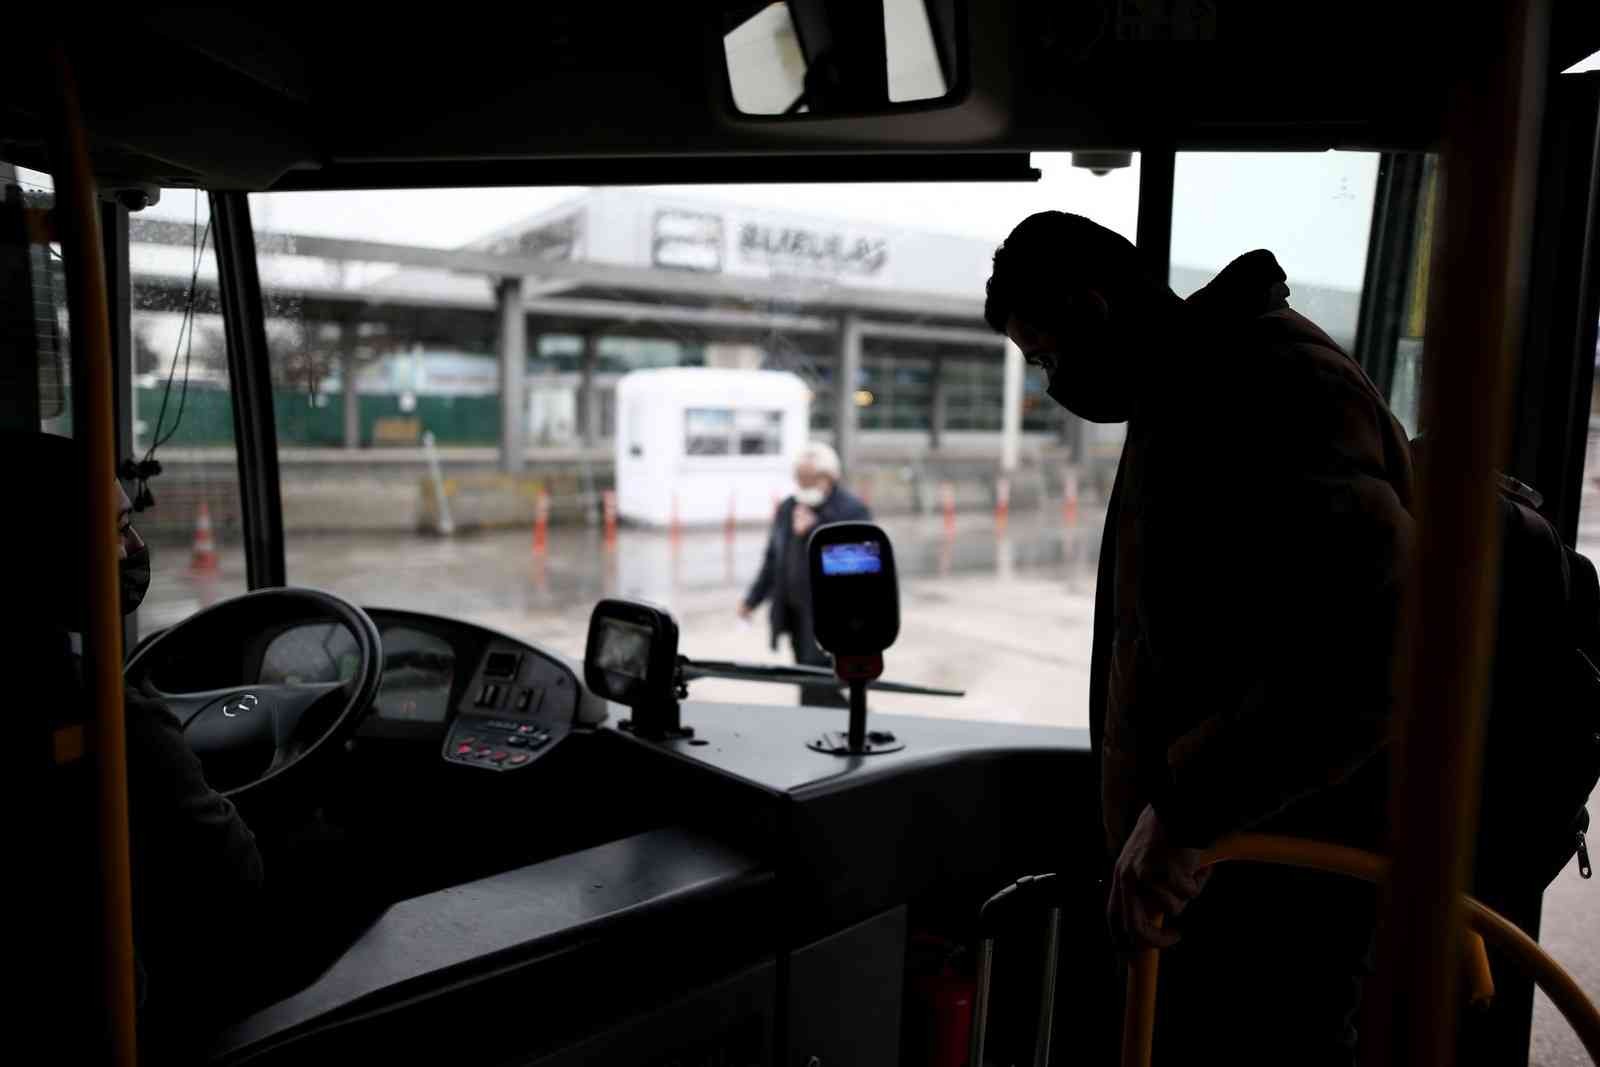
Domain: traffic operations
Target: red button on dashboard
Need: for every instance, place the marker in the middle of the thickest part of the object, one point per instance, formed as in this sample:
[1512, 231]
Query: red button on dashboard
[499, 755]
[462, 750]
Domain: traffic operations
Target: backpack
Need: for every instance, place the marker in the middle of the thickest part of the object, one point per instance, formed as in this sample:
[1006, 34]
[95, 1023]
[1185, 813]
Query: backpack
[1541, 755]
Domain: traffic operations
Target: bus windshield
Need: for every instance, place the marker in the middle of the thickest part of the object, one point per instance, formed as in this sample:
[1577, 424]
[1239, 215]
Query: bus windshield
[453, 373]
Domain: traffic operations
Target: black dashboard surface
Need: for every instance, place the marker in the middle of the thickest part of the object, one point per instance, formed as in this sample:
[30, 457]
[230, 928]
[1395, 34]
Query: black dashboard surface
[521, 917]
[520, 885]
[765, 746]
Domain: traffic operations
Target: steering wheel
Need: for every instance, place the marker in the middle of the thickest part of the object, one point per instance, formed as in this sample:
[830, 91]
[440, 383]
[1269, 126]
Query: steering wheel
[251, 733]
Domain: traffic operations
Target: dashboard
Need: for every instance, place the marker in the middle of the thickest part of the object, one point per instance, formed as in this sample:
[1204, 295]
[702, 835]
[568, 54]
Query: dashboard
[489, 702]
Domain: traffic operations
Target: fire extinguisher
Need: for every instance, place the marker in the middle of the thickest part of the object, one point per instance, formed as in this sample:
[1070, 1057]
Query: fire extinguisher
[939, 1019]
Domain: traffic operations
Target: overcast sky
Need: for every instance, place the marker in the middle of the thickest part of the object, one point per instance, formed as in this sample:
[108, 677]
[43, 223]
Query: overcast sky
[1312, 209]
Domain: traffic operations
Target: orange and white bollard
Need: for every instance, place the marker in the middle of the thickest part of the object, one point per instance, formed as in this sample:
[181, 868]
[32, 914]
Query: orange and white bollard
[608, 514]
[541, 521]
[203, 559]
[733, 515]
[947, 493]
[1002, 501]
[674, 528]
[1069, 498]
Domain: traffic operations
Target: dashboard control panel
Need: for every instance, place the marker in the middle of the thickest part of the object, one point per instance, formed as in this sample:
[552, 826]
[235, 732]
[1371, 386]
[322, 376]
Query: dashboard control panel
[514, 710]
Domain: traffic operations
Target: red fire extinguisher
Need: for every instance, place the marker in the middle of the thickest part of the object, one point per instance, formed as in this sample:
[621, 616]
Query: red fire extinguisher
[942, 995]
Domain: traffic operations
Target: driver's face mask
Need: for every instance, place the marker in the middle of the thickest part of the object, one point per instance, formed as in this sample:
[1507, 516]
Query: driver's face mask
[134, 572]
[133, 582]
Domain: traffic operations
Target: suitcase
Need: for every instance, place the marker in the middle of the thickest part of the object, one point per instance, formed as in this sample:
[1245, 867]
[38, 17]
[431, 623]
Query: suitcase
[1024, 896]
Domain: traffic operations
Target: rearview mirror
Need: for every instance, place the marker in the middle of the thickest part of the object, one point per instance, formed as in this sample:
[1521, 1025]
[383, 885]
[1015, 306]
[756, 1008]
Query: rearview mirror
[52, 353]
[33, 357]
[837, 57]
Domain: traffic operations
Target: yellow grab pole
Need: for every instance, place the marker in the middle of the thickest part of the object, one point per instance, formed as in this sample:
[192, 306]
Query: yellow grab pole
[1488, 169]
[78, 216]
[1139, 1008]
[1481, 922]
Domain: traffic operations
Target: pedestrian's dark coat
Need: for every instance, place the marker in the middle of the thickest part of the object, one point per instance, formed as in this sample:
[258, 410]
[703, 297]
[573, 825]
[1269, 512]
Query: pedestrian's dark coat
[1249, 579]
[840, 506]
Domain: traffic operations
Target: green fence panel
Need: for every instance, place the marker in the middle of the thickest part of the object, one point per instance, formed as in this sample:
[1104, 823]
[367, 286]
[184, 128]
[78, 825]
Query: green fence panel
[203, 416]
[306, 421]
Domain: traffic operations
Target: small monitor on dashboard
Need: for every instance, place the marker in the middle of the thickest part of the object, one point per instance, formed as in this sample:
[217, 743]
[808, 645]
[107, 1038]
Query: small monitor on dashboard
[632, 653]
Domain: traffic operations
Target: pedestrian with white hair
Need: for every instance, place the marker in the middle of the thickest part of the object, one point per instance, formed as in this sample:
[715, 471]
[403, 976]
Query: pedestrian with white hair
[785, 578]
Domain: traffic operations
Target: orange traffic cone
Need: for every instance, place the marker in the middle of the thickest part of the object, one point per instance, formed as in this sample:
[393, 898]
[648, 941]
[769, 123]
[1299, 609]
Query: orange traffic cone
[608, 506]
[541, 521]
[203, 559]
[1069, 499]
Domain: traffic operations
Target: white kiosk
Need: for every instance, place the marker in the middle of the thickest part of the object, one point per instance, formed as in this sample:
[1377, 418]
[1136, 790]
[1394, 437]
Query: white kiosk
[700, 443]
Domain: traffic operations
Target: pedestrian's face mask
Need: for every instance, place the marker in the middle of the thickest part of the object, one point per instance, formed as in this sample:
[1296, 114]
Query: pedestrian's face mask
[1086, 363]
[811, 486]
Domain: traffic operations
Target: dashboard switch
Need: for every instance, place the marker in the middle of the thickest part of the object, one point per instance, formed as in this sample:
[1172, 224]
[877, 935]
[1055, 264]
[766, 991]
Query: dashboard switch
[489, 695]
[516, 739]
[463, 748]
[524, 699]
[519, 758]
[499, 755]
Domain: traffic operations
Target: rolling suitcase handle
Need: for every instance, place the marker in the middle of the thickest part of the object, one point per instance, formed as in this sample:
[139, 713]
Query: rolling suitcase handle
[1020, 896]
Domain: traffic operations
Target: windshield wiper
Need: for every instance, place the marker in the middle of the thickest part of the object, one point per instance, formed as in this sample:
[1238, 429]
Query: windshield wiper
[792, 674]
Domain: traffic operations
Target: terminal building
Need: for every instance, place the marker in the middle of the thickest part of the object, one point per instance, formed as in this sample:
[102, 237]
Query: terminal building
[516, 342]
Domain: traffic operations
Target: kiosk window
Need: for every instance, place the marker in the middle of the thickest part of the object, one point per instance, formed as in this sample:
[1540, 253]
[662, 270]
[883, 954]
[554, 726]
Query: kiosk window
[727, 431]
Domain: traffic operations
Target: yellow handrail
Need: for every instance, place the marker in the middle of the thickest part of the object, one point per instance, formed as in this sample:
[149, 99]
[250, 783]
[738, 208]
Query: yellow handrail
[1139, 1012]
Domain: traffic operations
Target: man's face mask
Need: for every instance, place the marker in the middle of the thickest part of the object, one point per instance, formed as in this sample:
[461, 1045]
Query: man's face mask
[134, 571]
[1086, 365]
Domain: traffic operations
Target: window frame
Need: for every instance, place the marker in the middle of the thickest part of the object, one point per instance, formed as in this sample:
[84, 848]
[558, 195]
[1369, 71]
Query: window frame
[255, 432]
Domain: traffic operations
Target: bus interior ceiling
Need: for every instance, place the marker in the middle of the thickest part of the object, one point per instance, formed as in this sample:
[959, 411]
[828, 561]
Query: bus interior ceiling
[295, 97]
[774, 905]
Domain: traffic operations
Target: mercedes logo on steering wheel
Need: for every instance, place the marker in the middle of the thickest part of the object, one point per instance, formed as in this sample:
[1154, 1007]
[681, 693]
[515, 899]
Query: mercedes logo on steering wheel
[238, 705]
